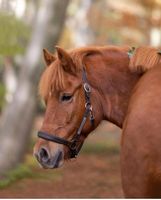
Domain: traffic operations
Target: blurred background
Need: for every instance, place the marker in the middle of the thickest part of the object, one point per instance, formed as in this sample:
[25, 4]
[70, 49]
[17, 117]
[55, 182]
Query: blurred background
[28, 26]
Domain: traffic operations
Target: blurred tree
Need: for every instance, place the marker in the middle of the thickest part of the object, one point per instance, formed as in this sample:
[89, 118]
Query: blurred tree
[17, 118]
[55, 27]
[78, 22]
[132, 22]
[2, 93]
[14, 35]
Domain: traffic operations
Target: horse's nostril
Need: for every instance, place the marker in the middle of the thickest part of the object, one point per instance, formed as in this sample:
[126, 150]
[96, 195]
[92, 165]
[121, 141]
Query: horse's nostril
[44, 155]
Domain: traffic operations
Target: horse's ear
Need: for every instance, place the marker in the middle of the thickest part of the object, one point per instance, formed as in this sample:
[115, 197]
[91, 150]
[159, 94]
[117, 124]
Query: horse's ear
[65, 60]
[48, 57]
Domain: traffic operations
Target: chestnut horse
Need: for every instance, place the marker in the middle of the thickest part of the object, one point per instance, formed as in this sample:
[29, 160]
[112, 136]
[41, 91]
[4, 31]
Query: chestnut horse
[84, 86]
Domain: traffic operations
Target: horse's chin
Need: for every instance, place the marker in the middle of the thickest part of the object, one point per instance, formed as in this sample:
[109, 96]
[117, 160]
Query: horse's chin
[52, 165]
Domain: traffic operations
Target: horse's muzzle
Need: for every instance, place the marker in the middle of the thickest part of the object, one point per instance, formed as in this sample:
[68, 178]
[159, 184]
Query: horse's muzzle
[47, 161]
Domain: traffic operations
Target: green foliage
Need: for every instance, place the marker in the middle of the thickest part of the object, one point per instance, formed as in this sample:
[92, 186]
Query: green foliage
[2, 95]
[20, 172]
[14, 35]
[29, 169]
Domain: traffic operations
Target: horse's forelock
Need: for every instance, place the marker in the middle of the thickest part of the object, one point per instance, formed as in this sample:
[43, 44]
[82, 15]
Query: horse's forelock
[45, 80]
[52, 79]
[144, 58]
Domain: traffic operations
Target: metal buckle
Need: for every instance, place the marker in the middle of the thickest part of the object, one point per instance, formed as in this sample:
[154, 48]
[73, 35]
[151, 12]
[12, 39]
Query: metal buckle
[88, 105]
[87, 87]
[73, 145]
[73, 149]
[92, 118]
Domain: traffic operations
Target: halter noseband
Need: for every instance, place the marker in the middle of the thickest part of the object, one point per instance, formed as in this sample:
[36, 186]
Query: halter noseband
[73, 145]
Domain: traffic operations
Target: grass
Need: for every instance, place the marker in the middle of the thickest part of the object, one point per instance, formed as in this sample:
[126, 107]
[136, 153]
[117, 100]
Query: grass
[29, 169]
[22, 171]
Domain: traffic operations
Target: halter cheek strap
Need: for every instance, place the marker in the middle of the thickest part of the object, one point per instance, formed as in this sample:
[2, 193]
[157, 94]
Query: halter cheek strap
[74, 145]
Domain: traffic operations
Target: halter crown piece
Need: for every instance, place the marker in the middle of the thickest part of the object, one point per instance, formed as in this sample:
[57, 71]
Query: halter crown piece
[73, 144]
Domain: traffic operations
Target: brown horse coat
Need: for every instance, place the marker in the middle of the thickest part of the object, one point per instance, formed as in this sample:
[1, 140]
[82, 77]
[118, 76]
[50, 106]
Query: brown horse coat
[125, 91]
[141, 139]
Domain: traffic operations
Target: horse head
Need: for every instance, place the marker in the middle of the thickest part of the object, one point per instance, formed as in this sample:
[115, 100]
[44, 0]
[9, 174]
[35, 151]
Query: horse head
[69, 115]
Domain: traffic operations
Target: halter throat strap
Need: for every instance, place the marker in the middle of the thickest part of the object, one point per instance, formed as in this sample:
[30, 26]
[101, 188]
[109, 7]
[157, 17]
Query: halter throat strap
[74, 144]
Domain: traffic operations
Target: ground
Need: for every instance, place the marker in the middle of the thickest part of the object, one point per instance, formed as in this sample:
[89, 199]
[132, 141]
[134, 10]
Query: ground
[94, 174]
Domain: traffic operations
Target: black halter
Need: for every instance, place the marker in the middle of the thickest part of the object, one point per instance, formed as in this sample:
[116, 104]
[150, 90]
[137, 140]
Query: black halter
[73, 144]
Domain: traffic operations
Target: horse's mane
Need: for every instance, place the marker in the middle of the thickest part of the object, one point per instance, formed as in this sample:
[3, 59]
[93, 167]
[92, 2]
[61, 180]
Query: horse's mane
[144, 58]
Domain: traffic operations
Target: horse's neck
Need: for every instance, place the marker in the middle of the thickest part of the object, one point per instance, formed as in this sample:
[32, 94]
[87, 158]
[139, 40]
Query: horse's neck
[117, 102]
[114, 84]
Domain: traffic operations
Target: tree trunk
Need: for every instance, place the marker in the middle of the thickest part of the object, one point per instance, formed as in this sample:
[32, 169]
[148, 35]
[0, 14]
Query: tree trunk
[55, 27]
[10, 79]
[79, 25]
[17, 118]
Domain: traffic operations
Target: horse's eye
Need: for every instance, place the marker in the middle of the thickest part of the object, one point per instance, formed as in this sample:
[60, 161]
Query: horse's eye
[66, 97]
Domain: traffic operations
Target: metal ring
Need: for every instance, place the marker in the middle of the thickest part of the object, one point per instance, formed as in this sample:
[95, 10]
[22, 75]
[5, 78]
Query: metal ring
[88, 104]
[87, 87]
